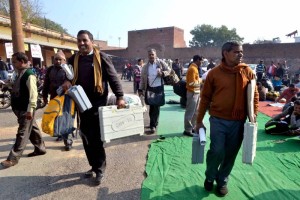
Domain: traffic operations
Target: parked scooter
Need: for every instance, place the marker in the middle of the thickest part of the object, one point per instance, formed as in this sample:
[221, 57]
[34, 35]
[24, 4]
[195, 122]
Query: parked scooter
[5, 95]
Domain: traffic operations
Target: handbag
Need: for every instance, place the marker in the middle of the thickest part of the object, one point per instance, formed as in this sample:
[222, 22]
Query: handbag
[155, 96]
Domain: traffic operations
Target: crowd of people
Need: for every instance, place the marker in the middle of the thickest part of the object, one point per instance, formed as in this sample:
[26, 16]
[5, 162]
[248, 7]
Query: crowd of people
[94, 71]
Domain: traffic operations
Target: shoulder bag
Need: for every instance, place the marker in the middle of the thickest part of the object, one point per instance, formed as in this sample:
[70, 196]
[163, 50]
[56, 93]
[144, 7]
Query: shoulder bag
[155, 96]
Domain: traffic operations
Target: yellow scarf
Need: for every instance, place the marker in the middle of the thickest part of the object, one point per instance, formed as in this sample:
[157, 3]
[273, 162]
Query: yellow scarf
[97, 70]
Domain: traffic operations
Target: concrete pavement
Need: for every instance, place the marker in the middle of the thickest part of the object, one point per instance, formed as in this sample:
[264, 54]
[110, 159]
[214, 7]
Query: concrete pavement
[59, 174]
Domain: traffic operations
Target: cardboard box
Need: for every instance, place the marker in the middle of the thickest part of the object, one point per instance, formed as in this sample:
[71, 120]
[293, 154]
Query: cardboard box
[117, 123]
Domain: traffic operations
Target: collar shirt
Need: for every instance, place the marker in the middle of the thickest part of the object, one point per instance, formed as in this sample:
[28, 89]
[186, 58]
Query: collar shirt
[153, 79]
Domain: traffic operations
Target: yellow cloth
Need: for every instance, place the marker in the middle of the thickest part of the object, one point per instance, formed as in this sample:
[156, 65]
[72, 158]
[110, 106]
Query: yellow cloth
[97, 70]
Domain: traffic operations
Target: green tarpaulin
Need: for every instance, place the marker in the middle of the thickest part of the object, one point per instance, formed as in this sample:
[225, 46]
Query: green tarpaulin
[275, 173]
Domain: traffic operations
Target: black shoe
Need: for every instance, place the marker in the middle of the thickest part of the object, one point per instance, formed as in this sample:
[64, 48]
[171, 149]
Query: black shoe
[208, 185]
[36, 154]
[99, 177]
[188, 134]
[88, 174]
[152, 130]
[68, 147]
[222, 190]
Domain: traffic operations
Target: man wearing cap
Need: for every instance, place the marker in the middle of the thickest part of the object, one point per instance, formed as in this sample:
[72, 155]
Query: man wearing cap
[55, 77]
[193, 82]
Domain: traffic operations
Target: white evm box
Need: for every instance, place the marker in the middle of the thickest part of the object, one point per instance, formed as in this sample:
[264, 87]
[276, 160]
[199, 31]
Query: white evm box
[117, 123]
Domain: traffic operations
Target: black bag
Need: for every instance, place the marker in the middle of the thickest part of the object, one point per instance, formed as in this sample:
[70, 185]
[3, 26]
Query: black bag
[180, 88]
[155, 96]
[277, 127]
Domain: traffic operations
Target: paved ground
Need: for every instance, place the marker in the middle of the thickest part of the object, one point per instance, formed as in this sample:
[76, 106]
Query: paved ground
[58, 174]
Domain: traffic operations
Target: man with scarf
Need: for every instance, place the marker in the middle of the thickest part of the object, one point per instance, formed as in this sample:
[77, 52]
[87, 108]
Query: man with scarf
[93, 70]
[23, 103]
[224, 95]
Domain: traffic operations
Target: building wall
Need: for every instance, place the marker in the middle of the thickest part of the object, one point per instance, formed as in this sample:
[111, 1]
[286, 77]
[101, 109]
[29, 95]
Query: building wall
[253, 53]
[161, 39]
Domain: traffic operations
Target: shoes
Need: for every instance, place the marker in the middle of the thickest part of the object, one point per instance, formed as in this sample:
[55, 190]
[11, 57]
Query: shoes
[59, 138]
[152, 130]
[68, 147]
[88, 174]
[222, 190]
[9, 163]
[36, 154]
[208, 185]
[188, 134]
[68, 144]
[99, 177]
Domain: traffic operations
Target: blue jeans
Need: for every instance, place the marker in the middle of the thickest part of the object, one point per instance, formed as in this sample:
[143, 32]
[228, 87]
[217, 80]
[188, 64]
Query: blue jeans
[3, 75]
[226, 138]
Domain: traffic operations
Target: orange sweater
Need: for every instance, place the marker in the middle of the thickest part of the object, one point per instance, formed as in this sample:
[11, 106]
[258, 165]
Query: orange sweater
[218, 95]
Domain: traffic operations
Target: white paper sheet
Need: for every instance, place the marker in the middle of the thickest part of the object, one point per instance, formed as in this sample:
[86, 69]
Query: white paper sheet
[202, 136]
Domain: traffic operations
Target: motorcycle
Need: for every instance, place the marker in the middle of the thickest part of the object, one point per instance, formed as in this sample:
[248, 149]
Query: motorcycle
[5, 95]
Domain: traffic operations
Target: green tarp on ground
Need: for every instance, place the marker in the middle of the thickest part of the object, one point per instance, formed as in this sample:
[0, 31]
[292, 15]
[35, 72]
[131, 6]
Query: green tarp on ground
[275, 173]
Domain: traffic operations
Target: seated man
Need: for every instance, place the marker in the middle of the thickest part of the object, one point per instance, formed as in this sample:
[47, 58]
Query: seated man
[267, 84]
[285, 123]
[277, 83]
[262, 91]
[288, 93]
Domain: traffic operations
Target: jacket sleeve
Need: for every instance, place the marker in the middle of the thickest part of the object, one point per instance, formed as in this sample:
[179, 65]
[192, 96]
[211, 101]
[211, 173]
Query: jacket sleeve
[166, 69]
[46, 86]
[112, 76]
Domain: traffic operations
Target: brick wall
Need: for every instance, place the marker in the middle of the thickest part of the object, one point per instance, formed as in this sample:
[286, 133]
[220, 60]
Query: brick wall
[169, 43]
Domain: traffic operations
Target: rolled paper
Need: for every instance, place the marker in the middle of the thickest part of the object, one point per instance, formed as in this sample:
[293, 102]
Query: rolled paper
[202, 136]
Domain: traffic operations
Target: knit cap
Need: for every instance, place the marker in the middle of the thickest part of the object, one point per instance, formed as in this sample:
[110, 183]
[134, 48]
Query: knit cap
[60, 54]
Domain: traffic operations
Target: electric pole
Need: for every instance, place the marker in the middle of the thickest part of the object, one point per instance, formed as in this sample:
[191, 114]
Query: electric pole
[16, 26]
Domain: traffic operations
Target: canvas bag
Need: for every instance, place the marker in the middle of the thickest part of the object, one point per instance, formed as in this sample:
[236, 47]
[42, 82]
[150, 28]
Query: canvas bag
[58, 117]
[155, 96]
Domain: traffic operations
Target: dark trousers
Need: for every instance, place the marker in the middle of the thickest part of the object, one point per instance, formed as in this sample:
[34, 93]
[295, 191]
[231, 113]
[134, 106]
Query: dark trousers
[27, 130]
[154, 115]
[136, 85]
[91, 138]
[226, 138]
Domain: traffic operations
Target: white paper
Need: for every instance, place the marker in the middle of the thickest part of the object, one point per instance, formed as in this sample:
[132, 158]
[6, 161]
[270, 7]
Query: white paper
[202, 136]
[68, 70]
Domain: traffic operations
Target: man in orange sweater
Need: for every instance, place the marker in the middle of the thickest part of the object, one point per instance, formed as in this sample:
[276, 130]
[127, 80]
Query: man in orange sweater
[224, 95]
[193, 91]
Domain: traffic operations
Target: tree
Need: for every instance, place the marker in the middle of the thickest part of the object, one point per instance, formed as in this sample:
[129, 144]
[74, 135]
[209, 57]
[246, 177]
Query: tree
[32, 13]
[209, 36]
